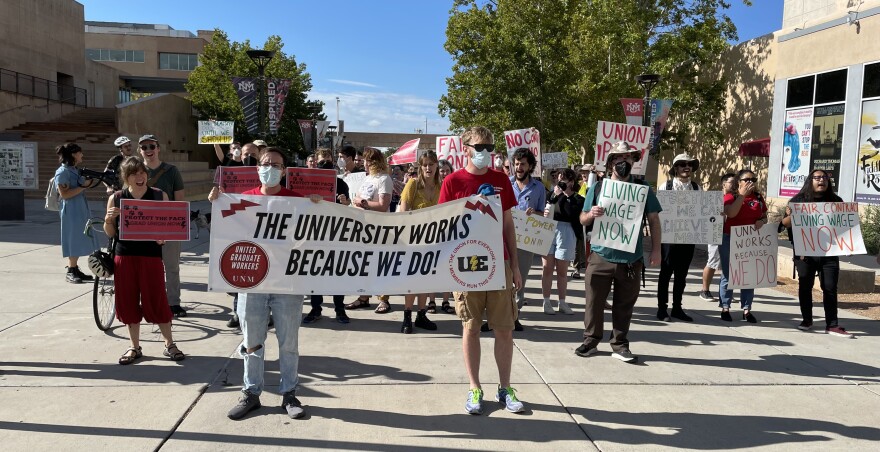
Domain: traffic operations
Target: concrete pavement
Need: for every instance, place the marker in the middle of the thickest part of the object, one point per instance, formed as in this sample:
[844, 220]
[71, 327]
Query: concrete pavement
[709, 385]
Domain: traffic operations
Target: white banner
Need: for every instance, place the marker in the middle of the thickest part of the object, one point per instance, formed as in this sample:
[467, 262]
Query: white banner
[525, 138]
[608, 133]
[533, 233]
[621, 225]
[555, 160]
[449, 148]
[271, 244]
[826, 229]
[216, 132]
[691, 217]
[753, 256]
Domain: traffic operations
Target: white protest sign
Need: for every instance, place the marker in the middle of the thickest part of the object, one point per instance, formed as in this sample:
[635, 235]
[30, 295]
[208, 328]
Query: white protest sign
[449, 148]
[619, 228]
[826, 229]
[533, 233]
[274, 244]
[691, 217]
[354, 181]
[216, 132]
[525, 138]
[753, 256]
[608, 133]
[555, 160]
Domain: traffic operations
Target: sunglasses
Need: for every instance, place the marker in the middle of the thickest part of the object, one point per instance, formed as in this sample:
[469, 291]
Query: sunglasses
[749, 179]
[683, 165]
[483, 147]
[820, 177]
[150, 147]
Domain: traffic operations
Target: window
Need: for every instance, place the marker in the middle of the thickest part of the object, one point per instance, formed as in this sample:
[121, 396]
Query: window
[831, 87]
[178, 61]
[124, 56]
[800, 92]
[871, 87]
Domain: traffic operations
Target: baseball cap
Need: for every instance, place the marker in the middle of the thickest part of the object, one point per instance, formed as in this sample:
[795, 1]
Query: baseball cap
[148, 137]
[260, 143]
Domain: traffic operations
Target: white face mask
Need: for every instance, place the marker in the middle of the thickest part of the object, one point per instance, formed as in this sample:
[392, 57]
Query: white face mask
[340, 162]
[269, 176]
[236, 152]
[499, 163]
[481, 159]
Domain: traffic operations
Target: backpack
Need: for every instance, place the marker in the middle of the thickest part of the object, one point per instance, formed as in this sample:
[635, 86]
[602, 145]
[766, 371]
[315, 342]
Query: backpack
[53, 196]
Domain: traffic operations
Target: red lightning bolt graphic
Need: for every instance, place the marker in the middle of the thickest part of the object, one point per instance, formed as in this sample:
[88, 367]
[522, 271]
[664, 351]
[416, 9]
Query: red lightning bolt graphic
[480, 207]
[240, 206]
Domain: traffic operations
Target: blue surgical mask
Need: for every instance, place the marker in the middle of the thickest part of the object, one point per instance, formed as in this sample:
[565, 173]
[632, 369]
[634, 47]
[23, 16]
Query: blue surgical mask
[481, 159]
[269, 176]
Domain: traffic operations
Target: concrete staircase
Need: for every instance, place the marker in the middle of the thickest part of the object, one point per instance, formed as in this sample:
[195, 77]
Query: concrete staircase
[94, 129]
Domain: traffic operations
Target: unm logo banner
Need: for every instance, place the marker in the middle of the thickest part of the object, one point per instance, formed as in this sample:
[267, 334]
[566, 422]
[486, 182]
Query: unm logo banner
[270, 244]
[247, 90]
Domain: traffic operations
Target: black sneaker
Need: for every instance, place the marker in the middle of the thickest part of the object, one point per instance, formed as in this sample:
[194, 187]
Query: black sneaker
[585, 351]
[178, 311]
[72, 277]
[805, 326]
[725, 315]
[423, 322]
[290, 403]
[247, 403]
[749, 318]
[342, 317]
[663, 315]
[706, 295]
[312, 316]
[83, 276]
[680, 315]
[625, 355]
[233, 322]
[517, 326]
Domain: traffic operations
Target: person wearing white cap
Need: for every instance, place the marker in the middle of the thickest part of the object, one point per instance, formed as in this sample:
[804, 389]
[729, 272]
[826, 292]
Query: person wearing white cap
[123, 144]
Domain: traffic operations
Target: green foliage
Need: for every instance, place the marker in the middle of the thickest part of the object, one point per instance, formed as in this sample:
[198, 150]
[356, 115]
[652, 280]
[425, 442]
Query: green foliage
[213, 95]
[870, 223]
[562, 66]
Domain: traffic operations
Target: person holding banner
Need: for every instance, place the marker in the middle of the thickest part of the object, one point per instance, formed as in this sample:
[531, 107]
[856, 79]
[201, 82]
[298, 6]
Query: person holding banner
[531, 197]
[499, 306]
[817, 188]
[74, 211]
[233, 158]
[675, 259]
[607, 266]
[568, 233]
[138, 270]
[743, 207]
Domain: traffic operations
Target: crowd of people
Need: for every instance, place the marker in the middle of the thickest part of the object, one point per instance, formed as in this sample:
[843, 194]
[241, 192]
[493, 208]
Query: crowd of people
[147, 275]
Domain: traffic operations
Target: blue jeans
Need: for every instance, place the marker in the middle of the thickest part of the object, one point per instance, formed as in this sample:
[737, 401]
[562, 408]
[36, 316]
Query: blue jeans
[745, 295]
[253, 313]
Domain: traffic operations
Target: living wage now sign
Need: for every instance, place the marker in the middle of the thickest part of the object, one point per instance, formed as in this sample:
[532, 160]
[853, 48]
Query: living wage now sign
[826, 229]
[691, 217]
[620, 226]
[271, 244]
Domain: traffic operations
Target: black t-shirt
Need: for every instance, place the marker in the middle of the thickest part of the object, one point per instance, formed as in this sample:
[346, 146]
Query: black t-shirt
[341, 188]
[568, 210]
[147, 248]
[113, 164]
[230, 162]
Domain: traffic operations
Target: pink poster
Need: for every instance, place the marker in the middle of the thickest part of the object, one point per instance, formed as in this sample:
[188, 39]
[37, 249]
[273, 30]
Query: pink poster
[796, 140]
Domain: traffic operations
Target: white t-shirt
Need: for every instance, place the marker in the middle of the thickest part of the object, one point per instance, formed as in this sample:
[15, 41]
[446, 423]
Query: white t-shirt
[374, 186]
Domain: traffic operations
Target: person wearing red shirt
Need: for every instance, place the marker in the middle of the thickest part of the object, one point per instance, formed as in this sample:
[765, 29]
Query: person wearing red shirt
[499, 305]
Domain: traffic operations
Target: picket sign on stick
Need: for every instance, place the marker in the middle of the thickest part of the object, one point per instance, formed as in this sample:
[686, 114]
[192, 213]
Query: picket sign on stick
[691, 217]
[534, 234]
[826, 229]
[608, 133]
[753, 256]
[449, 148]
[216, 132]
[525, 138]
[620, 226]
[555, 160]
[153, 220]
[354, 182]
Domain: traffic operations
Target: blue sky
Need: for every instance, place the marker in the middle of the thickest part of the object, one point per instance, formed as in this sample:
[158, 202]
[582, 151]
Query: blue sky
[384, 59]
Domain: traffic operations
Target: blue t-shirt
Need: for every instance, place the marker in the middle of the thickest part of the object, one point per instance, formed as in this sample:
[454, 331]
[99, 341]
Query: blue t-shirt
[532, 195]
[652, 205]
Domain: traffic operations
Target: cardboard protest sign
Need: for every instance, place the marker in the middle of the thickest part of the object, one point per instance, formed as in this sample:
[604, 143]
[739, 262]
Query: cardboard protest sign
[154, 220]
[621, 225]
[449, 148]
[237, 179]
[534, 233]
[826, 229]
[271, 244]
[753, 256]
[525, 138]
[608, 133]
[313, 181]
[691, 217]
[354, 181]
[216, 132]
[555, 160]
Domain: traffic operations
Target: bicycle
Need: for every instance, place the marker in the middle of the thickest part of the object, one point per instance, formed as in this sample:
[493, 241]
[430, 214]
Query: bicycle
[104, 291]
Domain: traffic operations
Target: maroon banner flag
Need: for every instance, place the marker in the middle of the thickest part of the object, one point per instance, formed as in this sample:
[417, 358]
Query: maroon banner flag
[305, 127]
[313, 181]
[154, 220]
[276, 92]
[633, 109]
[405, 153]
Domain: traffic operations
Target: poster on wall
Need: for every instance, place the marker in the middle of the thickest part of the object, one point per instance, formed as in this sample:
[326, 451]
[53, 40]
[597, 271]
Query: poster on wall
[827, 140]
[868, 162]
[18, 165]
[796, 150]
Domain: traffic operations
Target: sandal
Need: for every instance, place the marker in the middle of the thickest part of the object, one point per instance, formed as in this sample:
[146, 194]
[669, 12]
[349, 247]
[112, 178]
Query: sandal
[383, 308]
[432, 307]
[126, 359]
[361, 302]
[174, 353]
[447, 308]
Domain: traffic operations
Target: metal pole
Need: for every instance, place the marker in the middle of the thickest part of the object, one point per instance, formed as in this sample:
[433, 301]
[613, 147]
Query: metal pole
[262, 128]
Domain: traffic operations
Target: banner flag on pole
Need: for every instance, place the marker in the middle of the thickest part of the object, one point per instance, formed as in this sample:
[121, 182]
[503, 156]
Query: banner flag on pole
[405, 153]
[276, 90]
[246, 88]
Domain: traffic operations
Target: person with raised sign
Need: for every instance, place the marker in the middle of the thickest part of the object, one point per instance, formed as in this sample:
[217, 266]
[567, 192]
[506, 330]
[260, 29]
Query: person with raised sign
[531, 197]
[499, 305]
[675, 259]
[745, 206]
[607, 266]
[138, 270]
[233, 158]
[817, 188]
[568, 206]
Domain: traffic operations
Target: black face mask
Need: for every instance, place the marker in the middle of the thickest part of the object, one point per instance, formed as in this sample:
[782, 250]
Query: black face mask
[325, 164]
[249, 161]
[622, 169]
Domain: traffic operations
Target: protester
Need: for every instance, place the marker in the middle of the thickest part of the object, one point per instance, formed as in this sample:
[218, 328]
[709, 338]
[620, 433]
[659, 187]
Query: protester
[531, 198]
[254, 310]
[123, 145]
[419, 193]
[233, 158]
[311, 161]
[138, 271]
[397, 175]
[568, 206]
[580, 255]
[713, 264]
[250, 155]
[346, 161]
[261, 146]
[167, 178]
[74, 211]
[675, 259]
[607, 266]
[497, 304]
[743, 207]
[502, 164]
[444, 169]
[817, 188]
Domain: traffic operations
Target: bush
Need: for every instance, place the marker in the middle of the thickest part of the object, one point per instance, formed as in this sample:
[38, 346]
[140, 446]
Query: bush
[871, 228]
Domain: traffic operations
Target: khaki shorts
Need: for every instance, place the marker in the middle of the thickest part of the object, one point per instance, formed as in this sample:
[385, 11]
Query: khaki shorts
[499, 306]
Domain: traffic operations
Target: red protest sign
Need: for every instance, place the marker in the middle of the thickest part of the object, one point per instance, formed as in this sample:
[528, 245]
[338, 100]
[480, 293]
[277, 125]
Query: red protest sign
[238, 179]
[154, 220]
[313, 181]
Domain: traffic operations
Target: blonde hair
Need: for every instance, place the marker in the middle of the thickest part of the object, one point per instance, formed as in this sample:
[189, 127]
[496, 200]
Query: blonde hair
[476, 133]
[428, 157]
[375, 162]
[323, 154]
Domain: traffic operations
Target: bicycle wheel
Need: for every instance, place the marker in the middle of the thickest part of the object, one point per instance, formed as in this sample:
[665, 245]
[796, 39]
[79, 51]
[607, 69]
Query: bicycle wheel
[104, 303]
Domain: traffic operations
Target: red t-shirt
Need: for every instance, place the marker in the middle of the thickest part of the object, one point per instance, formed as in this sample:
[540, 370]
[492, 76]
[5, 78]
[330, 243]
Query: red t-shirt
[753, 209]
[462, 184]
[283, 192]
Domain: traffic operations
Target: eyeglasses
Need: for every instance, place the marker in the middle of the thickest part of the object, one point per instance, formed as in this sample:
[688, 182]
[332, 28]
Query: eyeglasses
[749, 179]
[145, 147]
[271, 165]
[482, 147]
[820, 177]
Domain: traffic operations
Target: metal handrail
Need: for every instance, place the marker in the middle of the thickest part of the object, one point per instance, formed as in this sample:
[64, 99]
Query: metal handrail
[40, 88]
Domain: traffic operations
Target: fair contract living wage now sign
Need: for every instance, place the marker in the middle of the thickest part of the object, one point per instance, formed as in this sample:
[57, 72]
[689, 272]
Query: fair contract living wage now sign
[534, 233]
[753, 256]
[620, 226]
[691, 217]
[826, 229]
[272, 244]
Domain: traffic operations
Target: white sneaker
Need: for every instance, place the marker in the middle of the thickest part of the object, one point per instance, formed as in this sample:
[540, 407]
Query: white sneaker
[548, 308]
[565, 308]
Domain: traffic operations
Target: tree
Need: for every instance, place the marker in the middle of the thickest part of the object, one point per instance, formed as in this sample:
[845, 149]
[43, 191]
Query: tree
[213, 95]
[562, 65]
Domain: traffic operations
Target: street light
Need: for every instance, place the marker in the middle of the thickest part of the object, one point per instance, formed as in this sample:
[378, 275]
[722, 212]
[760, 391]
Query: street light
[330, 131]
[647, 82]
[261, 59]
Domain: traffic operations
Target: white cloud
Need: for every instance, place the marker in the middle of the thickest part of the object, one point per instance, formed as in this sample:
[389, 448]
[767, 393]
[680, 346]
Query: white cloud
[366, 111]
[353, 83]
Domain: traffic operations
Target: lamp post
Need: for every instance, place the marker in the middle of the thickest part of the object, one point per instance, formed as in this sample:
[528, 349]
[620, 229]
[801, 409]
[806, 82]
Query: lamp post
[647, 82]
[261, 59]
[330, 131]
